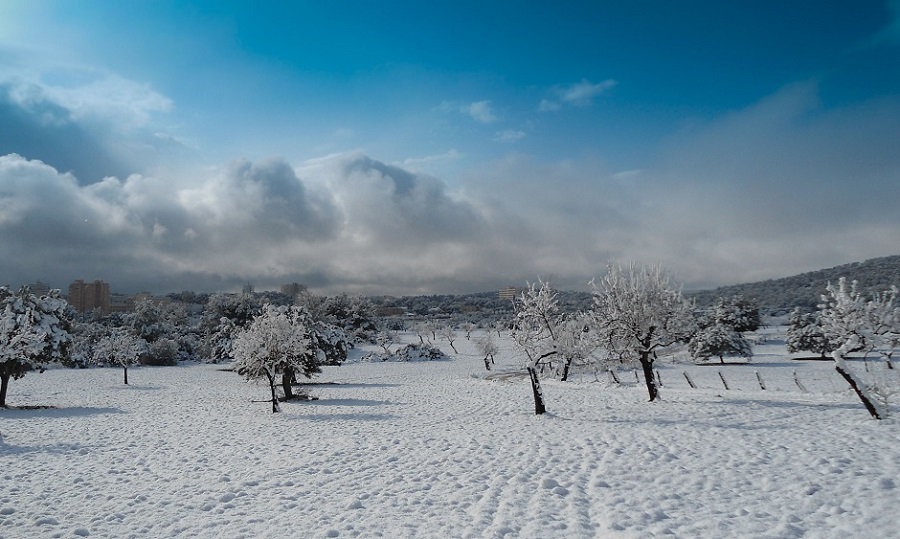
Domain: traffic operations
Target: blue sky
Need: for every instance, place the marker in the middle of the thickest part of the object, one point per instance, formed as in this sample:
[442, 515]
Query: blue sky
[433, 147]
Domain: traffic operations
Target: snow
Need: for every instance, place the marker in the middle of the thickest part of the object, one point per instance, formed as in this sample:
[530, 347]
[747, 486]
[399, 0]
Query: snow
[447, 449]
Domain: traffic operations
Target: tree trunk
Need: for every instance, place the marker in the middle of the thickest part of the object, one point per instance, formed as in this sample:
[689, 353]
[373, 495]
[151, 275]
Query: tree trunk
[870, 406]
[126, 375]
[844, 370]
[539, 407]
[4, 385]
[565, 373]
[649, 378]
[286, 378]
[271, 378]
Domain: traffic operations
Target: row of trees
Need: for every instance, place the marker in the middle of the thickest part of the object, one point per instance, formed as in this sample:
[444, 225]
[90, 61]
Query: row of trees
[638, 311]
[35, 330]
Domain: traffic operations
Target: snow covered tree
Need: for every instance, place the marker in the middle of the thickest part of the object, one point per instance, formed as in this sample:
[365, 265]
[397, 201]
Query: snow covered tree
[860, 325]
[224, 316]
[536, 312]
[806, 334]
[637, 311]
[277, 343]
[120, 348]
[720, 330]
[718, 340]
[488, 347]
[740, 314]
[33, 330]
[548, 336]
[575, 342]
[354, 314]
[449, 333]
[385, 339]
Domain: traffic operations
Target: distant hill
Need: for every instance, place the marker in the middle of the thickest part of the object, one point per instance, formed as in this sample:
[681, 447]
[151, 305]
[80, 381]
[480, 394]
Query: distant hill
[805, 290]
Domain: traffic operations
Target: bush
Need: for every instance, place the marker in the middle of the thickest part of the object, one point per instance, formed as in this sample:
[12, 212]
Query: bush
[410, 352]
[162, 353]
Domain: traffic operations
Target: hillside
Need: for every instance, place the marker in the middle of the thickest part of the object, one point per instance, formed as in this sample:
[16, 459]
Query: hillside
[805, 290]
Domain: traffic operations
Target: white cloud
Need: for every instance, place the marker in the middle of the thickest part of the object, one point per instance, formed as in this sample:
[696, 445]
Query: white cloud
[414, 162]
[90, 94]
[548, 105]
[509, 135]
[580, 94]
[480, 111]
[780, 187]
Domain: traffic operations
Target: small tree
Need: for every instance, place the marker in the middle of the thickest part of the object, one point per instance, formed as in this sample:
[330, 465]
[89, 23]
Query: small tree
[385, 339]
[536, 310]
[120, 348]
[33, 330]
[807, 334]
[860, 325]
[449, 333]
[739, 313]
[637, 311]
[720, 331]
[276, 343]
[575, 342]
[718, 340]
[488, 347]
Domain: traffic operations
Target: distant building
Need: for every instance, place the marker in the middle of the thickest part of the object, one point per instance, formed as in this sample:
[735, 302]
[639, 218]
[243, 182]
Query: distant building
[39, 288]
[125, 303]
[509, 293]
[88, 297]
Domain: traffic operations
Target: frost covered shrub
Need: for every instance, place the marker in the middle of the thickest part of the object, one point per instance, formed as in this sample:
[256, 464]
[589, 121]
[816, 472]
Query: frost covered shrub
[333, 342]
[162, 353]
[409, 352]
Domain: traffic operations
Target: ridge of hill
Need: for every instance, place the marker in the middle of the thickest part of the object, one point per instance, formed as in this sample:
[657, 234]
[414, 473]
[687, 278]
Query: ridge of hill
[805, 290]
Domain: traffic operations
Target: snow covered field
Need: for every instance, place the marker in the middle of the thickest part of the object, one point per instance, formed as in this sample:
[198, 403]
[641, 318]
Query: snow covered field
[436, 449]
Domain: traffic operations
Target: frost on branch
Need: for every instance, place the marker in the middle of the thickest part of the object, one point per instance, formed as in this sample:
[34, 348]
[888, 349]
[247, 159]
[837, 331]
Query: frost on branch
[278, 342]
[552, 341]
[638, 311]
[119, 348]
[487, 346]
[861, 325]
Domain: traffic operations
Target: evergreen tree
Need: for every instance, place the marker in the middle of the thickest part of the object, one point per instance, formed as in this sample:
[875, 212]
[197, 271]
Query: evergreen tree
[33, 330]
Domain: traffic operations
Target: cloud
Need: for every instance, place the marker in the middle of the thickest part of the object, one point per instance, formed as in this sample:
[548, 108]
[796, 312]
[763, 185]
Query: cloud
[450, 155]
[509, 135]
[780, 187]
[480, 111]
[83, 120]
[580, 94]
[345, 219]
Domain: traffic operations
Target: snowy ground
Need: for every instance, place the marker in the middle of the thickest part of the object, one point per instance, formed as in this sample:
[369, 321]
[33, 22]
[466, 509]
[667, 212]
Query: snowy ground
[437, 450]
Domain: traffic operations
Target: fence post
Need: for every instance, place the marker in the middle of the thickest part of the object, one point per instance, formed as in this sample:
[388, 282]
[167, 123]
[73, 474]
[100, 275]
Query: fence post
[615, 378]
[762, 384]
[797, 381]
